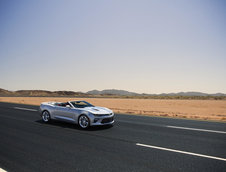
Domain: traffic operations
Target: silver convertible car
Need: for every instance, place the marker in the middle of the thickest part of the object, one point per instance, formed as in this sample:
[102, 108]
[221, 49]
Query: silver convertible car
[79, 112]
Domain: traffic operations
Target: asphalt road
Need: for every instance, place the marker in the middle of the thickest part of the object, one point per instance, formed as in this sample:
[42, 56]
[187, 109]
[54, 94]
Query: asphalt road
[135, 143]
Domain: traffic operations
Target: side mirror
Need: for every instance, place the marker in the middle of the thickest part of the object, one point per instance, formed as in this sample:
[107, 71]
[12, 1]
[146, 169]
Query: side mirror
[68, 106]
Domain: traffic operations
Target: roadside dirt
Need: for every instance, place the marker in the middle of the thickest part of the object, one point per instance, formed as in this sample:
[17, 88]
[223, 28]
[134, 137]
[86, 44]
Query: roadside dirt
[191, 109]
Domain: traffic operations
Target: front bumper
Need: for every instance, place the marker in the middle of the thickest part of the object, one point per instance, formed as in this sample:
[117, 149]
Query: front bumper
[106, 120]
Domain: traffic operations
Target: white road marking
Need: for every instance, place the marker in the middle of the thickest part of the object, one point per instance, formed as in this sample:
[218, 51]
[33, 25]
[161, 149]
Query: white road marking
[196, 129]
[34, 110]
[170, 126]
[1, 170]
[183, 152]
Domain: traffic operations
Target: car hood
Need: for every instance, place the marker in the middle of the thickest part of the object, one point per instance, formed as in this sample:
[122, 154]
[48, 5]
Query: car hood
[98, 110]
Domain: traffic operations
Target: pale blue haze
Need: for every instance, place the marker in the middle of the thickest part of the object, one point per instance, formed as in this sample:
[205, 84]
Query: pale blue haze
[141, 46]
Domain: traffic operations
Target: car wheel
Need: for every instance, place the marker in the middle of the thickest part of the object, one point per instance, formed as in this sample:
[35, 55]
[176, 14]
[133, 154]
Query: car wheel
[83, 121]
[46, 116]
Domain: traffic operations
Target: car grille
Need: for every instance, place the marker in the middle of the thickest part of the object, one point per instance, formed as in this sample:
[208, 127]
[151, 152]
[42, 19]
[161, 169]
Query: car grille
[107, 120]
[103, 114]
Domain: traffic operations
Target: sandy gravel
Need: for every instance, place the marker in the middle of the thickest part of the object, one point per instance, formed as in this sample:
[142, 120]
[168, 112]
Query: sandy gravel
[195, 109]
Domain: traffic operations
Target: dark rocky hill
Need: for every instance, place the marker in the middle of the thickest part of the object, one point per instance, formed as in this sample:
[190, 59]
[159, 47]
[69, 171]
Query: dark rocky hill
[107, 92]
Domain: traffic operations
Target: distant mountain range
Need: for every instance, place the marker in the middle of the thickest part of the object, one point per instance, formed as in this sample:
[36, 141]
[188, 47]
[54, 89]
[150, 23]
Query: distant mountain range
[92, 93]
[127, 93]
[112, 92]
[41, 93]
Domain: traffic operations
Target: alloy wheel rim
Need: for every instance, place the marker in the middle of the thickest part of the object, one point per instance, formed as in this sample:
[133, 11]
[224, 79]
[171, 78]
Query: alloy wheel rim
[83, 121]
[45, 116]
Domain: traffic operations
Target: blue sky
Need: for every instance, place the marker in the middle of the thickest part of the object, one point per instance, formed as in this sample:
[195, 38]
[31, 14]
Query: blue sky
[142, 46]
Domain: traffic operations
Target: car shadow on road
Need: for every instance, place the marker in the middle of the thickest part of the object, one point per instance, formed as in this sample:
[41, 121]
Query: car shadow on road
[63, 124]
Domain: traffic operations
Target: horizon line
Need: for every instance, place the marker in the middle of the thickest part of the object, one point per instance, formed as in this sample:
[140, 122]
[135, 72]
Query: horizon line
[113, 89]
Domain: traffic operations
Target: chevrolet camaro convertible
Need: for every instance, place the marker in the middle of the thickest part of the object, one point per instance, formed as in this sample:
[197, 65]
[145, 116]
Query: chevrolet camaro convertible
[79, 112]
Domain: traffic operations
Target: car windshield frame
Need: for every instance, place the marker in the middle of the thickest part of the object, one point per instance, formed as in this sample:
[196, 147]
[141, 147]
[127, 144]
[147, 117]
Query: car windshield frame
[83, 104]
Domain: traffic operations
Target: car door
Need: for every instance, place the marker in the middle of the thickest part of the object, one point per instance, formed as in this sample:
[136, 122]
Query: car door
[64, 113]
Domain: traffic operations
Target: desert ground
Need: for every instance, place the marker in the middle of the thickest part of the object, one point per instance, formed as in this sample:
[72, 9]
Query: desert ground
[191, 109]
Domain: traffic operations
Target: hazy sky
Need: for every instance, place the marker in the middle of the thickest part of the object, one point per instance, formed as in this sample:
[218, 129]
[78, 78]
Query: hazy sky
[142, 46]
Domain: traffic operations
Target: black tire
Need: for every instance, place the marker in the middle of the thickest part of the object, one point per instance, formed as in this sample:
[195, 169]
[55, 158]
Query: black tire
[83, 122]
[46, 116]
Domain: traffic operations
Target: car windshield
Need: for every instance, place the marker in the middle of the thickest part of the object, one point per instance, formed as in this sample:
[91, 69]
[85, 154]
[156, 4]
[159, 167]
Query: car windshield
[81, 104]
